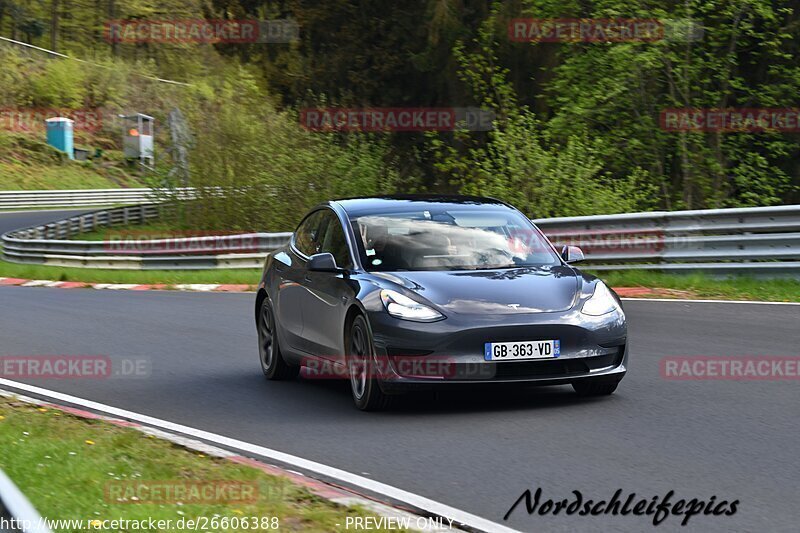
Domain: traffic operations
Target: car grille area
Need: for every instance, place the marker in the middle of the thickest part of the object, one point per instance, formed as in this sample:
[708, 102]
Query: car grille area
[554, 368]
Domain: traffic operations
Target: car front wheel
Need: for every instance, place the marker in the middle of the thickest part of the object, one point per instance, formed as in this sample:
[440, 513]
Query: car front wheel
[367, 392]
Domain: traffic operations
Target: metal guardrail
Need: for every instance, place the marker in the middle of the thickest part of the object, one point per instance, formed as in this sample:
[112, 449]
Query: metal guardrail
[49, 244]
[761, 240]
[16, 512]
[88, 197]
[755, 240]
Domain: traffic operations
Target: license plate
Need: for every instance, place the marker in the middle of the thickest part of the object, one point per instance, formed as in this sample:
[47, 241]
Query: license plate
[521, 351]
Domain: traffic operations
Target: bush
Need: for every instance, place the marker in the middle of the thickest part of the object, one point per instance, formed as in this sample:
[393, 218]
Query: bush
[13, 92]
[59, 84]
[272, 170]
[519, 165]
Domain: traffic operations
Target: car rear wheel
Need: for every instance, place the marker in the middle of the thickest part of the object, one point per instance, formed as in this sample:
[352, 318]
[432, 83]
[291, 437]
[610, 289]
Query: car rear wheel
[367, 392]
[272, 363]
[595, 387]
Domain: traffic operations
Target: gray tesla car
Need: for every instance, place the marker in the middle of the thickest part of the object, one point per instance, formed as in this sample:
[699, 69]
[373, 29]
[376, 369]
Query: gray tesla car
[401, 293]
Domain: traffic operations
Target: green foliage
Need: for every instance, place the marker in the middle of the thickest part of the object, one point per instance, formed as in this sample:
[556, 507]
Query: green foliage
[12, 78]
[60, 84]
[520, 166]
[577, 128]
[28, 162]
[746, 58]
[272, 169]
[522, 163]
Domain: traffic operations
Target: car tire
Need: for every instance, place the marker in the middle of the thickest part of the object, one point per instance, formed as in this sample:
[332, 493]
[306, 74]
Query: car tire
[594, 387]
[361, 368]
[273, 364]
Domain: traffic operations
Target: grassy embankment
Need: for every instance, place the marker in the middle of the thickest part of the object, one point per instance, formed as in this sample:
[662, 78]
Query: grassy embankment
[69, 467]
[28, 163]
[692, 286]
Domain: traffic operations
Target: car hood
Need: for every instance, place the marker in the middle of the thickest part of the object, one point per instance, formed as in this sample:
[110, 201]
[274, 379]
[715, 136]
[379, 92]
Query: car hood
[503, 291]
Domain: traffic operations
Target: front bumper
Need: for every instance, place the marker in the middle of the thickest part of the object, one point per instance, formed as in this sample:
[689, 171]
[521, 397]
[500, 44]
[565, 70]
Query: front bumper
[449, 353]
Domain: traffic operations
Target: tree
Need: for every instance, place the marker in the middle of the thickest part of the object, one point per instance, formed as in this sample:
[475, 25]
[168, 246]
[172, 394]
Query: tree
[32, 28]
[54, 19]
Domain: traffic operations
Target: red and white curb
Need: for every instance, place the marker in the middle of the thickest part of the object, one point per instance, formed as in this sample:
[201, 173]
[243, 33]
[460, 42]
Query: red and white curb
[422, 514]
[194, 287]
[644, 294]
[199, 287]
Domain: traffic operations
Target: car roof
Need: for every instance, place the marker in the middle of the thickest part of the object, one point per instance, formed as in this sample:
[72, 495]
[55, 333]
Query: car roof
[369, 205]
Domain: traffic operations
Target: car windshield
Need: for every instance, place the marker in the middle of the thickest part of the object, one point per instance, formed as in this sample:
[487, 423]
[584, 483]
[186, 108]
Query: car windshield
[451, 240]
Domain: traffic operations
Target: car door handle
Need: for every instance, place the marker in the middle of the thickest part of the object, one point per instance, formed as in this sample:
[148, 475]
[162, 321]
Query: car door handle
[307, 278]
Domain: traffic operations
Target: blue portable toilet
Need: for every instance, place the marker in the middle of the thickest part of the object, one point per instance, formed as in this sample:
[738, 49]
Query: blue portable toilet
[59, 135]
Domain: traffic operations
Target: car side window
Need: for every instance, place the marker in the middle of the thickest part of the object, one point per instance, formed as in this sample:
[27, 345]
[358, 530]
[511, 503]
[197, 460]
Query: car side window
[307, 236]
[333, 240]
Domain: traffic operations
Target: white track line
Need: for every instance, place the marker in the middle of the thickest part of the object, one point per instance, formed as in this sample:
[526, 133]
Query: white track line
[394, 493]
[709, 301]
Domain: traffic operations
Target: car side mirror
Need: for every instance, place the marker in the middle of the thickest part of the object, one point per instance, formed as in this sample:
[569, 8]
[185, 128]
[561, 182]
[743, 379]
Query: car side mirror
[572, 254]
[323, 262]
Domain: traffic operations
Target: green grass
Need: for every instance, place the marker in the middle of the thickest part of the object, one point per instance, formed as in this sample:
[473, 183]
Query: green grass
[696, 286]
[70, 175]
[28, 163]
[702, 286]
[64, 464]
[142, 277]
[152, 230]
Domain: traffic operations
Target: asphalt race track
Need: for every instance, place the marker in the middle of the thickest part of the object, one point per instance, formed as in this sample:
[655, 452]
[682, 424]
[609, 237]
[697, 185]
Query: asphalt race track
[22, 219]
[477, 451]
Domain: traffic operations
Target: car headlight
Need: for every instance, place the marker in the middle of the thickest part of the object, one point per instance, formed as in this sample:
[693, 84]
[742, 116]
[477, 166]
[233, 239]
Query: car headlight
[400, 306]
[602, 302]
